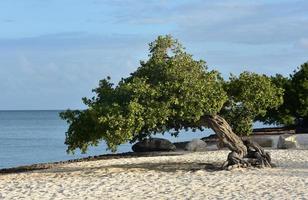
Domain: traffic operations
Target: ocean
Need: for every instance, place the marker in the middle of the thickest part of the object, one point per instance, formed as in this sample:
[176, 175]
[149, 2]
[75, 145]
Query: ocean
[29, 137]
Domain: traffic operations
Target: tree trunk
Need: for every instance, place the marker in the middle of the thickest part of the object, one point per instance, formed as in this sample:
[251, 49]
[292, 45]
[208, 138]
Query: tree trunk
[244, 153]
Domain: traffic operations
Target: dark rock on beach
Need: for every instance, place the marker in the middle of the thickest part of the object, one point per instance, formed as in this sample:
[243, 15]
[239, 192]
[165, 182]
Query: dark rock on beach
[210, 138]
[153, 144]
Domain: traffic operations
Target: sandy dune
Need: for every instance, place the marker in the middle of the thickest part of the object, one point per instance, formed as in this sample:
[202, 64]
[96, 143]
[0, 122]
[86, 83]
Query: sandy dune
[188, 176]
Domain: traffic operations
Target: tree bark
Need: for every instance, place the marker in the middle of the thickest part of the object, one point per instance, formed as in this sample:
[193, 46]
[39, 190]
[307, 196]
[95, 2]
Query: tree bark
[244, 153]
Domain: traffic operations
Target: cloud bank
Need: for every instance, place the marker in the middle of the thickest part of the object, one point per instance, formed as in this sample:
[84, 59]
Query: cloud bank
[52, 53]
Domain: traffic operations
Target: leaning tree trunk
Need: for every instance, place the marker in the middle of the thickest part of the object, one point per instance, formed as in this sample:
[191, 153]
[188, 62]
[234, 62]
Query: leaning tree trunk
[244, 153]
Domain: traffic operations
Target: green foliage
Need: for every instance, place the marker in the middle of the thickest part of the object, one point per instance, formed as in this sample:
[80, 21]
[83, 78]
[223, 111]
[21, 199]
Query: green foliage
[295, 99]
[250, 95]
[170, 91]
[299, 91]
[280, 115]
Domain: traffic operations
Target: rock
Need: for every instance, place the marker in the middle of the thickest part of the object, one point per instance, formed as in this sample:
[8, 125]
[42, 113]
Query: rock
[212, 137]
[287, 141]
[196, 145]
[153, 144]
[180, 145]
[264, 141]
[220, 145]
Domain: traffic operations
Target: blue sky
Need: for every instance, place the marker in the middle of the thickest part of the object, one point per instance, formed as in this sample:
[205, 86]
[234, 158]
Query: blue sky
[53, 52]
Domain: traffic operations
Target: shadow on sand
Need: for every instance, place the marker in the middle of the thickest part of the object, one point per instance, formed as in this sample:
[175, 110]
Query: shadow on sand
[161, 167]
[166, 167]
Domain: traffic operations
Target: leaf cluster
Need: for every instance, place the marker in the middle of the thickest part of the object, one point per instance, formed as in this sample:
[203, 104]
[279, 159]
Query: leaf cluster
[249, 95]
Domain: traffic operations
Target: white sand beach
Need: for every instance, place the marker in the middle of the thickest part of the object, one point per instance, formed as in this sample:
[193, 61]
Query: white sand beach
[187, 176]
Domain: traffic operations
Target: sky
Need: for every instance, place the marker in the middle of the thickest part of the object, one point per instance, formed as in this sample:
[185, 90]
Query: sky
[54, 52]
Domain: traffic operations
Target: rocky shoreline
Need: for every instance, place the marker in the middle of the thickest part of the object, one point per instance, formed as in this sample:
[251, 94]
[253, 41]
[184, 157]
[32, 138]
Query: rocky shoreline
[267, 141]
[266, 137]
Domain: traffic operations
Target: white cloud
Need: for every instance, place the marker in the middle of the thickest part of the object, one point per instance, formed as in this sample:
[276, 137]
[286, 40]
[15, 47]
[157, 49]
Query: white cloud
[46, 68]
[230, 35]
[237, 21]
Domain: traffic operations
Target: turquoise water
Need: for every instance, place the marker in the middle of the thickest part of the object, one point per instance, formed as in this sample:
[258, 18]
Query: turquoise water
[28, 137]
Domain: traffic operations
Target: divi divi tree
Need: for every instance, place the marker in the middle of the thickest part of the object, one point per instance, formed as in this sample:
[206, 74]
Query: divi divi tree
[169, 92]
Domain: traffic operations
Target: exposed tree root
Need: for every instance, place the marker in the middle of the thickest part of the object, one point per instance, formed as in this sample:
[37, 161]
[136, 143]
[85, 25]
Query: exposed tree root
[244, 153]
[255, 157]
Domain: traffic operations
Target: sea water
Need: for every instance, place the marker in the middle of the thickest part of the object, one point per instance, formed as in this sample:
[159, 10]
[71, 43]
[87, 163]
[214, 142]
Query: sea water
[28, 137]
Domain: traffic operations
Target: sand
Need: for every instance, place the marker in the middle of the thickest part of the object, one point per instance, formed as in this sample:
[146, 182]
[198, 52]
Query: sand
[187, 176]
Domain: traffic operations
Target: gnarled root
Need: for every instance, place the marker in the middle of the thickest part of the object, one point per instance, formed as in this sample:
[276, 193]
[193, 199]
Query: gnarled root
[235, 161]
[244, 153]
[255, 157]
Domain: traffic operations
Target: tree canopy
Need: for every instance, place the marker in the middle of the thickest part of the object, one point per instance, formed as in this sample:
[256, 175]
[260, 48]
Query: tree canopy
[295, 99]
[249, 95]
[168, 92]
